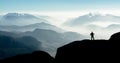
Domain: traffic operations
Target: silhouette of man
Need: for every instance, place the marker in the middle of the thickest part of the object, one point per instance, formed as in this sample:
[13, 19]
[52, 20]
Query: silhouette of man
[92, 36]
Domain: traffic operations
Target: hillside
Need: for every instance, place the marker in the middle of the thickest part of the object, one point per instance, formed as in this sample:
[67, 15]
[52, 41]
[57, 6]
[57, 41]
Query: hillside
[89, 50]
[11, 44]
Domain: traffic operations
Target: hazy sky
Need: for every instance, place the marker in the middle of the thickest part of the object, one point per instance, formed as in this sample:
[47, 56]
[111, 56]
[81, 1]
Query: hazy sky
[57, 5]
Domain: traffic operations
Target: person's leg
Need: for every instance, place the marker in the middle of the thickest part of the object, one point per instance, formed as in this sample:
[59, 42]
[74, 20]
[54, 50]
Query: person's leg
[93, 38]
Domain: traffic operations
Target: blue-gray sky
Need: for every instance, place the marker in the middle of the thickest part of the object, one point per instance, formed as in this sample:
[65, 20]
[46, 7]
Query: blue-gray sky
[57, 5]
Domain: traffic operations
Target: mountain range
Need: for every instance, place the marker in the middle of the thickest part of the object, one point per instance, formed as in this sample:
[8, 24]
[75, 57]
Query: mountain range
[92, 18]
[20, 27]
[12, 45]
[20, 19]
[40, 39]
[21, 22]
[36, 33]
[51, 40]
[31, 27]
[87, 23]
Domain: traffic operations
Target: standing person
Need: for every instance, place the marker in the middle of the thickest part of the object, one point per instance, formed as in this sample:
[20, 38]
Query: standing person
[92, 36]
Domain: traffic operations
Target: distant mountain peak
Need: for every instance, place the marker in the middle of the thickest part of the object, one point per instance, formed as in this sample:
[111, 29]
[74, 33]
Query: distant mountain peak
[19, 15]
[21, 19]
[90, 15]
[93, 18]
[12, 14]
[94, 14]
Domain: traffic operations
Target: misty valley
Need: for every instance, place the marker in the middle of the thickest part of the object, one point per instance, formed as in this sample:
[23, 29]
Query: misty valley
[25, 33]
[59, 31]
[22, 33]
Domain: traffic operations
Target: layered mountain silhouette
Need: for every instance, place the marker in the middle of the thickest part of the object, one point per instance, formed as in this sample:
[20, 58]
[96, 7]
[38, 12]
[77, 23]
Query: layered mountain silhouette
[84, 24]
[11, 45]
[31, 27]
[51, 40]
[22, 34]
[76, 52]
[92, 18]
[20, 19]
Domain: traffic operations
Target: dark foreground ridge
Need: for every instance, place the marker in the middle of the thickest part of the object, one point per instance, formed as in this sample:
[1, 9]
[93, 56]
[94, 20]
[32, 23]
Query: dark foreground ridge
[35, 57]
[83, 51]
[76, 52]
[93, 51]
